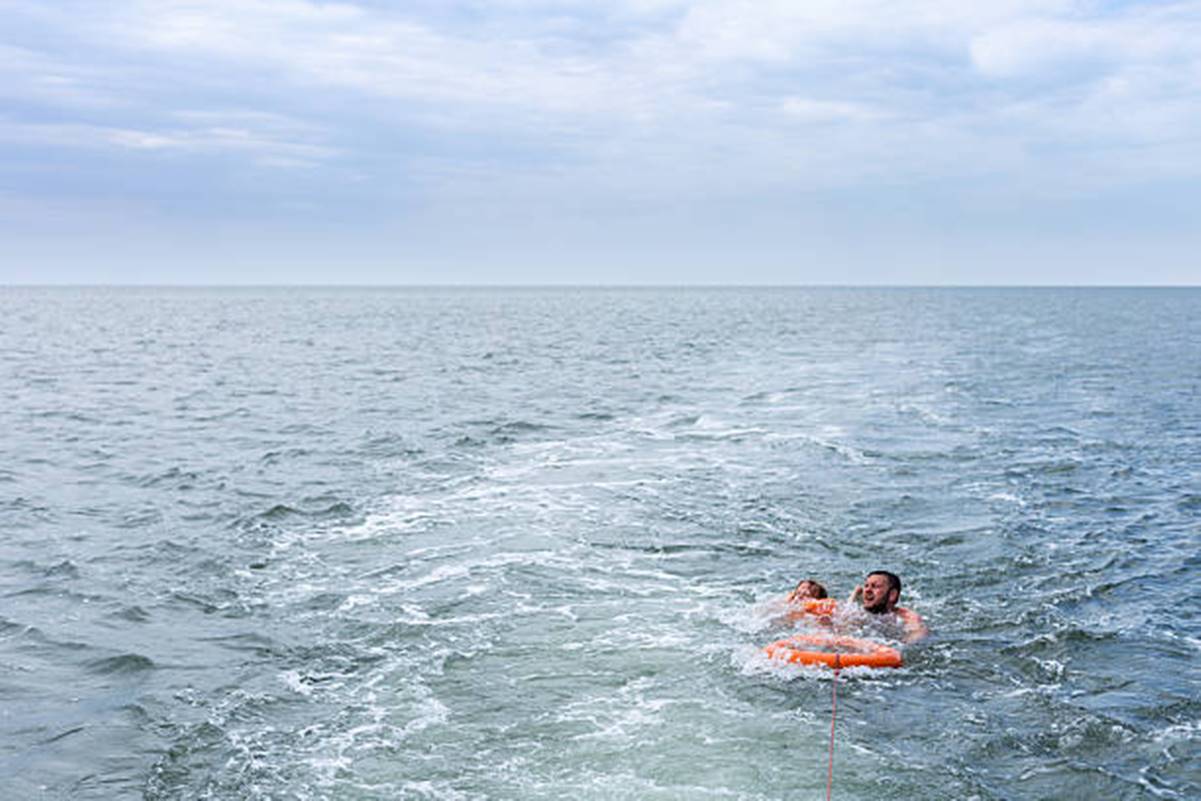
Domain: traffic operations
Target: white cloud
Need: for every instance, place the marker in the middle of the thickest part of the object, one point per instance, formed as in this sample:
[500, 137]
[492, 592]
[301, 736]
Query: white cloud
[339, 47]
[827, 111]
[780, 30]
[1049, 46]
[263, 147]
[32, 76]
[734, 92]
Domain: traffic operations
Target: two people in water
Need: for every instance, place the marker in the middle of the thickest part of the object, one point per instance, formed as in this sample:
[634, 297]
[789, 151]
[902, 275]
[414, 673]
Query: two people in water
[877, 595]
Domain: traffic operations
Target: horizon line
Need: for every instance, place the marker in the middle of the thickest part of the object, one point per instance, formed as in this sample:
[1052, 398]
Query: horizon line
[536, 285]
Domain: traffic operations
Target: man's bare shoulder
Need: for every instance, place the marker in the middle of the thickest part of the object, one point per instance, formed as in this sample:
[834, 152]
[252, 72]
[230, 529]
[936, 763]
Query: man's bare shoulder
[915, 627]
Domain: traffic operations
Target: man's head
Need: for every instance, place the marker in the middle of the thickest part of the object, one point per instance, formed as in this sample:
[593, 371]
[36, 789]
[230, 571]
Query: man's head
[881, 591]
[809, 589]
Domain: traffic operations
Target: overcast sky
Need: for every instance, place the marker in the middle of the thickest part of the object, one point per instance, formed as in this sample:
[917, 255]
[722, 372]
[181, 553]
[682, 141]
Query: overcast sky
[572, 141]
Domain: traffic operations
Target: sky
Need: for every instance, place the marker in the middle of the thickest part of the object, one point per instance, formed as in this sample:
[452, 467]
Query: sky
[923, 142]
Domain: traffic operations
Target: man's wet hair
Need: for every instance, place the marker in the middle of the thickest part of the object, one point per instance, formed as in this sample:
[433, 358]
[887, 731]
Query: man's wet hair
[894, 581]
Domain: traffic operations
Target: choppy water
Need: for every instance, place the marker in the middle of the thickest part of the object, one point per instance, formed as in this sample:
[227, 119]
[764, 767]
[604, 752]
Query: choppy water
[469, 544]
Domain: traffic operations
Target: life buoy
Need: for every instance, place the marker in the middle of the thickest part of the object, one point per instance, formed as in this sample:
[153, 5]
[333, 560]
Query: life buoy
[833, 651]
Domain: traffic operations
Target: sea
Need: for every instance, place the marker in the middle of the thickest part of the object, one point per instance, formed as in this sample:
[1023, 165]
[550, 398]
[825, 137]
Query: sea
[461, 544]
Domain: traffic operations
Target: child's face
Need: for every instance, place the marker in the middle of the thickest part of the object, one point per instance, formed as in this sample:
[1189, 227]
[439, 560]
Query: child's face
[806, 589]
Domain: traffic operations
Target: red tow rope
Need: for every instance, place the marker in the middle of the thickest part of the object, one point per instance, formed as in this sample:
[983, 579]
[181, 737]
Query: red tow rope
[833, 717]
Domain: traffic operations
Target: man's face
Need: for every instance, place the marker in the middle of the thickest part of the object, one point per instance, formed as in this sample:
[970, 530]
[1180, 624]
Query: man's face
[876, 594]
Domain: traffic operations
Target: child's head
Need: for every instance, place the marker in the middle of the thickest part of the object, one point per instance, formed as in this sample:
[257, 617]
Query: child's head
[809, 588]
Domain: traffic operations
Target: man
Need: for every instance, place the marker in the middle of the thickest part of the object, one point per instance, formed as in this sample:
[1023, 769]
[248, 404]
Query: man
[879, 594]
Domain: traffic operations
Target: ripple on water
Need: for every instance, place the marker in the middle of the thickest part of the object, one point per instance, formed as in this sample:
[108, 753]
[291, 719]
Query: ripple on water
[121, 664]
[362, 559]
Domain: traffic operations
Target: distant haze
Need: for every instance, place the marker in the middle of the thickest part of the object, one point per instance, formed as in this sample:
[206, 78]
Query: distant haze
[570, 142]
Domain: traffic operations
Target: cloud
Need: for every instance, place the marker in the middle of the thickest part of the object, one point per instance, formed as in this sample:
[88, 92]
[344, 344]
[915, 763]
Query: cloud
[1048, 47]
[549, 62]
[346, 48]
[827, 111]
[28, 75]
[265, 150]
[264, 147]
[782, 30]
[635, 104]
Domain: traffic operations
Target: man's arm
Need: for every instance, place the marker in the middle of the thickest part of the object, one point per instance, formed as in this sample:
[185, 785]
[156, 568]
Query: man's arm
[915, 627]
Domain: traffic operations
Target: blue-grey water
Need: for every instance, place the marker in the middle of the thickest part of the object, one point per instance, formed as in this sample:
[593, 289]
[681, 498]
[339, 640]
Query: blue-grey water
[517, 544]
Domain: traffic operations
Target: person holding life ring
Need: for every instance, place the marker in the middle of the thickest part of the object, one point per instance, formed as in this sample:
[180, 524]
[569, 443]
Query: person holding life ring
[878, 595]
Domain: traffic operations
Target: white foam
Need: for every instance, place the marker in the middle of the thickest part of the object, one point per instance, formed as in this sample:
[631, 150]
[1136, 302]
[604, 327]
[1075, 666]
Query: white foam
[292, 680]
[429, 789]
[762, 615]
[1190, 730]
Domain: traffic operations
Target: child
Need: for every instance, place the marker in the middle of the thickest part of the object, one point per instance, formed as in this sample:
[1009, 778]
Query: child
[808, 589]
[809, 598]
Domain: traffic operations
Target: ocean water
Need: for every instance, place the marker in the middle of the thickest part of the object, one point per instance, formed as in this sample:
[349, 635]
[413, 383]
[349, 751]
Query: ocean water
[520, 544]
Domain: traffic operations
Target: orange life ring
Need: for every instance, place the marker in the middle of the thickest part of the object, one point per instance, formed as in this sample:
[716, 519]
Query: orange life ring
[843, 651]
